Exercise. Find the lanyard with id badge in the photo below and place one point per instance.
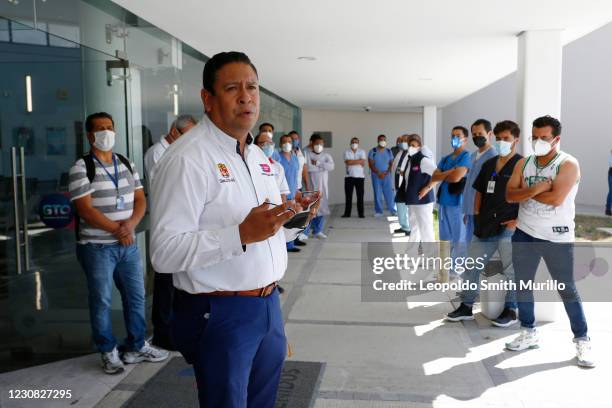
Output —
(491, 183)
(120, 200)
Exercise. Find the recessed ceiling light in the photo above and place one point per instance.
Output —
(307, 58)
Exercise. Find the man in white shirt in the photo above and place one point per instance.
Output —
(163, 289)
(355, 160)
(216, 226)
(179, 127)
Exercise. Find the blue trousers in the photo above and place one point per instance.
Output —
(103, 264)
(485, 248)
(559, 259)
(452, 228)
(469, 228)
(317, 224)
(609, 200)
(402, 216)
(384, 188)
(236, 345)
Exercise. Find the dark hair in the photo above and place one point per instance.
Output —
(378, 137)
(354, 138)
(507, 125)
(415, 138)
(462, 129)
(266, 124)
(483, 122)
(256, 140)
(217, 62)
(94, 116)
(293, 132)
(547, 120)
(283, 136)
(316, 137)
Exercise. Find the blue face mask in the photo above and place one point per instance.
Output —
(268, 150)
(503, 148)
(455, 142)
(296, 144)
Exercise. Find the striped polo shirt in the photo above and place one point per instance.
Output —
(103, 196)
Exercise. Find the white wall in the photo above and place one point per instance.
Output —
(586, 107)
(364, 125)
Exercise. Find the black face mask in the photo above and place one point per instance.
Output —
(479, 141)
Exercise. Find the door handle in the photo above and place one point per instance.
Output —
(26, 239)
(16, 209)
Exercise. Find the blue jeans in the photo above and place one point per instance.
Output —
(236, 345)
(469, 228)
(609, 200)
(402, 216)
(559, 259)
(317, 224)
(103, 264)
(486, 247)
(384, 188)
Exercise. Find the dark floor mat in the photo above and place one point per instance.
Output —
(174, 386)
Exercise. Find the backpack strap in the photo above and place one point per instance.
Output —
(90, 166)
(125, 162)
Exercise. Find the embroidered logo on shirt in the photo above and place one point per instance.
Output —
(223, 170)
(265, 168)
(561, 230)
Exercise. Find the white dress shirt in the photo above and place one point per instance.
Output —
(153, 154)
(355, 170)
(202, 191)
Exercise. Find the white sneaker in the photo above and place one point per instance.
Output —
(302, 236)
(321, 235)
(377, 215)
(528, 339)
(146, 353)
(111, 363)
(584, 354)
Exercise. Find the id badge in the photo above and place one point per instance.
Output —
(491, 186)
(120, 203)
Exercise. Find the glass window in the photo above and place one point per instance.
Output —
(64, 35)
(24, 33)
(4, 30)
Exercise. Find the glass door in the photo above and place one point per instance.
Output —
(49, 85)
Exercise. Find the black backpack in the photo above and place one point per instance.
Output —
(90, 168)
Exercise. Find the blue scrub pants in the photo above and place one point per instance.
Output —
(402, 216)
(384, 188)
(317, 224)
(236, 345)
(469, 228)
(452, 229)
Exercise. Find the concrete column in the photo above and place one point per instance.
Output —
(539, 80)
(430, 125)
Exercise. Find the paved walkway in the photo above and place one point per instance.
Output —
(380, 354)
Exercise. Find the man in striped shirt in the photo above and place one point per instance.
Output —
(106, 190)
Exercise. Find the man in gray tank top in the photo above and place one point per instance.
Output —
(545, 185)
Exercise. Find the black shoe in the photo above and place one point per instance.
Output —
(298, 242)
(506, 319)
(463, 312)
(402, 231)
(346, 216)
(281, 290)
(362, 216)
(608, 212)
(293, 249)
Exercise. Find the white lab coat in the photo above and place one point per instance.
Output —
(319, 176)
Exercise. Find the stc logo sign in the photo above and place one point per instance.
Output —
(56, 211)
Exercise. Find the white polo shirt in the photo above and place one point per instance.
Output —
(202, 191)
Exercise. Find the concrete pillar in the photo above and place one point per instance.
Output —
(430, 125)
(539, 80)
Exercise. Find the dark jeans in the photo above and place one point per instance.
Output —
(163, 295)
(609, 200)
(103, 264)
(559, 259)
(236, 345)
(357, 183)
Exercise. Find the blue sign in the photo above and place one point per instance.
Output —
(56, 211)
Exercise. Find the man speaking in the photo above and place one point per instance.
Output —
(217, 222)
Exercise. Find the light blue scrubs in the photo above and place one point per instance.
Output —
(384, 187)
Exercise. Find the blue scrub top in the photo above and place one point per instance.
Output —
(381, 159)
(447, 163)
(470, 192)
(292, 168)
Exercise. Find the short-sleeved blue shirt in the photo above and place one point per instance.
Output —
(381, 159)
(292, 168)
(469, 192)
(447, 163)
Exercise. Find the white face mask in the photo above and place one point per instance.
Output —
(318, 148)
(287, 147)
(354, 146)
(541, 147)
(404, 146)
(413, 150)
(382, 143)
(104, 140)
